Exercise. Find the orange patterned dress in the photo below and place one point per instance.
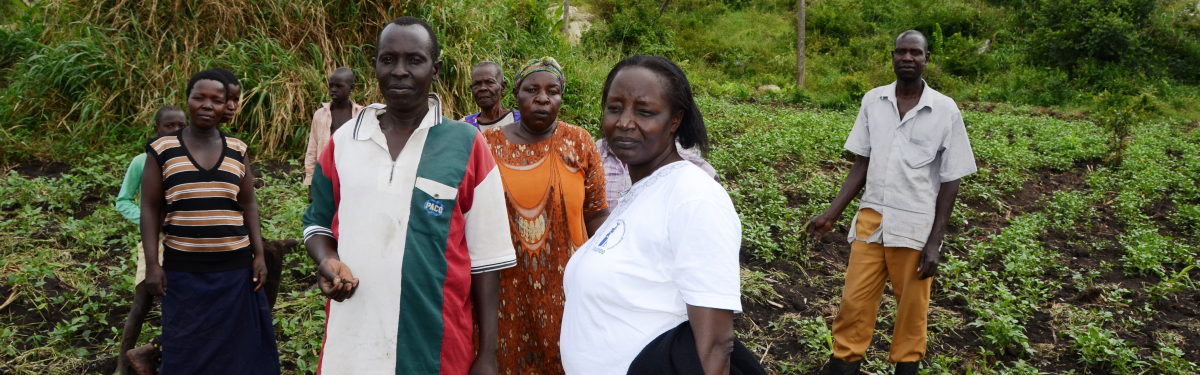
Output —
(548, 187)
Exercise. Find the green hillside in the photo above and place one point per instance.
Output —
(1073, 250)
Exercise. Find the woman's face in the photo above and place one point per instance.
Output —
(638, 122)
(231, 105)
(539, 97)
(206, 104)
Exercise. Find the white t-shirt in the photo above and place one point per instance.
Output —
(673, 241)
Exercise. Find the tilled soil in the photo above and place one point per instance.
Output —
(1176, 313)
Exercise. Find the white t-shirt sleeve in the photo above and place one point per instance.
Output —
(958, 160)
(859, 140)
(705, 239)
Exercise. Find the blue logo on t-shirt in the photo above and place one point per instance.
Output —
(612, 237)
(433, 207)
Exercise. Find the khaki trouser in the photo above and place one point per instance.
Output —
(871, 265)
(141, 261)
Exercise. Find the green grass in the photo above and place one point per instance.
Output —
(71, 261)
(80, 84)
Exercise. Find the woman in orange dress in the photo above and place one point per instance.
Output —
(554, 187)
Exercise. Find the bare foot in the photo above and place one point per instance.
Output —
(144, 359)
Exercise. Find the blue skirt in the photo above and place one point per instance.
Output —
(215, 323)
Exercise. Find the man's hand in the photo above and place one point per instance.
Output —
(156, 280)
(258, 271)
(820, 225)
(335, 280)
(930, 257)
(485, 364)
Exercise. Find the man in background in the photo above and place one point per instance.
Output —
(912, 150)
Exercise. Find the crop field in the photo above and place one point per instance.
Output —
(1058, 260)
(1072, 251)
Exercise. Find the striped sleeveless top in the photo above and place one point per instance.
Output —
(203, 226)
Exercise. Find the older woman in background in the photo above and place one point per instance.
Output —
(487, 88)
(554, 185)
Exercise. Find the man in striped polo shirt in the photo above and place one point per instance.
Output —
(408, 220)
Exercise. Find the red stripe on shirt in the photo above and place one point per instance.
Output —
(457, 353)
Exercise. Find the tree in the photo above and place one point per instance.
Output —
(800, 44)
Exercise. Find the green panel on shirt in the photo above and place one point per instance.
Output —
(444, 159)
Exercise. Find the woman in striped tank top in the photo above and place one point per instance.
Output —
(198, 188)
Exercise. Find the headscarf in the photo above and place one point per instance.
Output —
(544, 64)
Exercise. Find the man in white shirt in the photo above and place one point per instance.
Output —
(912, 150)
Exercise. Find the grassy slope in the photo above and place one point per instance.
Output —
(1060, 259)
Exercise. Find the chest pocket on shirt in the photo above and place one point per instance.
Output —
(433, 207)
(436, 189)
(918, 153)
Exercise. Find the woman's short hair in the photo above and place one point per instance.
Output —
(209, 74)
(691, 132)
(229, 76)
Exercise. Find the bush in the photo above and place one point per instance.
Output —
(1115, 39)
(1106, 30)
(634, 28)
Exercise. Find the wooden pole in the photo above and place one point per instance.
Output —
(566, 15)
(663, 7)
(800, 43)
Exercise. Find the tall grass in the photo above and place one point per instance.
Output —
(85, 75)
(95, 79)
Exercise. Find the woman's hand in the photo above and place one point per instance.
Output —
(259, 272)
(485, 365)
(156, 280)
(335, 279)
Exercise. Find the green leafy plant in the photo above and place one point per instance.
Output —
(1101, 349)
(1004, 333)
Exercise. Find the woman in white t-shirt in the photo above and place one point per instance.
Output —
(669, 253)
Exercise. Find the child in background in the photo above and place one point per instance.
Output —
(329, 118)
(167, 120)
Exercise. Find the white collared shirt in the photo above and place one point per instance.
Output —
(910, 158)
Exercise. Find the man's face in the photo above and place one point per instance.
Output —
(487, 86)
(340, 86)
(404, 67)
(909, 58)
(169, 122)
